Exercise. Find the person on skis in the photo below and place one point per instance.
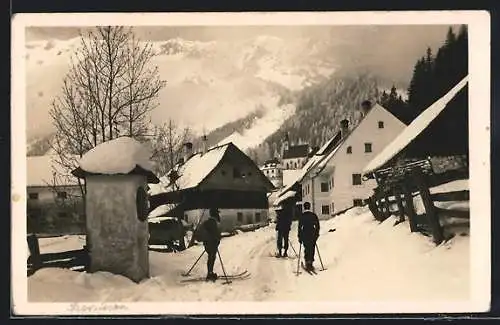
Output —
(308, 234)
(283, 225)
(210, 235)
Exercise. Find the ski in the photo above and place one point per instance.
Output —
(221, 277)
(311, 272)
(282, 257)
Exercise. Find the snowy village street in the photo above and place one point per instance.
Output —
(365, 261)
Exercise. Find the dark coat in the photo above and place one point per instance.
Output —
(284, 219)
(308, 226)
(212, 231)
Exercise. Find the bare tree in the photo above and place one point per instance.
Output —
(109, 89)
(167, 144)
(108, 92)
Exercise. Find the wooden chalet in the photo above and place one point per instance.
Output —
(223, 177)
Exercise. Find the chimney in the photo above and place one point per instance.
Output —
(188, 150)
(366, 106)
(344, 128)
(204, 145)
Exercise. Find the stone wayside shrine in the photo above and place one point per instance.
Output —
(116, 175)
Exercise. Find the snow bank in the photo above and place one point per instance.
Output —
(118, 156)
(365, 261)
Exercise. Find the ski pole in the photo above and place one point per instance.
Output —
(223, 269)
(192, 267)
(322, 267)
(298, 260)
(293, 248)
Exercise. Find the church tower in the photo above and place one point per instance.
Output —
(286, 145)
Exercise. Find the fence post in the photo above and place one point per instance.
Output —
(387, 206)
(430, 210)
(409, 207)
(34, 248)
(401, 212)
(373, 206)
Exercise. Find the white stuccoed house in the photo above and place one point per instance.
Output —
(335, 183)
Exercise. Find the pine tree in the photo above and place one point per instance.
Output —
(434, 76)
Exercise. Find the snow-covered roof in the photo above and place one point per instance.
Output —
(311, 163)
(196, 169)
(40, 172)
(290, 176)
(118, 156)
(322, 163)
(414, 129)
(161, 211)
(160, 219)
(287, 195)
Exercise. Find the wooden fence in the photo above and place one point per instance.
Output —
(397, 187)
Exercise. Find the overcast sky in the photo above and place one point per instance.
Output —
(391, 49)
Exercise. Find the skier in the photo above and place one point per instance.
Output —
(210, 234)
(283, 225)
(308, 234)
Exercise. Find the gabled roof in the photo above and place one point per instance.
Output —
(326, 158)
(330, 145)
(297, 151)
(199, 166)
(41, 169)
(414, 129)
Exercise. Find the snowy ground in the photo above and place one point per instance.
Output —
(365, 261)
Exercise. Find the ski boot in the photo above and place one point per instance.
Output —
(278, 254)
(211, 277)
(285, 254)
(309, 266)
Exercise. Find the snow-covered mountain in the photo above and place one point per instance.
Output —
(209, 83)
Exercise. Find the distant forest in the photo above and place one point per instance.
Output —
(321, 107)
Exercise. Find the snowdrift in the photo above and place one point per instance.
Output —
(364, 260)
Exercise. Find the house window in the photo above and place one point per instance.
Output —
(333, 207)
(349, 150)
(356, 179)
(236, 173)
(368, 147)
(33, 196)
(295, 165)
(257, 216)
(239, 216)
(325, 209)
(62, 195)
(380, 124)
(287, 166)
(324, 187)
(357, 202)
(249, 218)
